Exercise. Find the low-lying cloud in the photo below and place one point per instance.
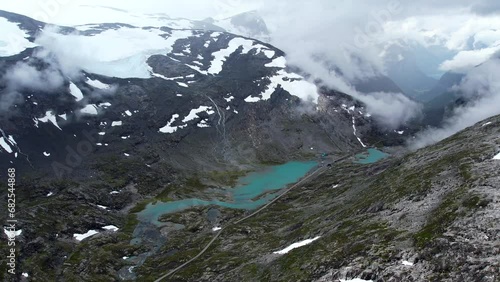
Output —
(52, 64)
(340, 44)
(40, 73)
(482, 87)
(25, 76)
(466, 60)
(391, 109)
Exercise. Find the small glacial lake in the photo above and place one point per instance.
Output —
(371, 156)
(246, 195)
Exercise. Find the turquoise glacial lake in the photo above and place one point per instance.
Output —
(371, 156)
(246, 195)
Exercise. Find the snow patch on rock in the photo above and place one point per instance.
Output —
(49, 117)
(296, 245)
(80, 237)
(75, 91)
(97, 84)
(90, 109)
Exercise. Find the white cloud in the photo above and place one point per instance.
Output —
(466, 60)
(24, 76)
(486, 37)
(481, 83)
(100, 53)
(390, 109)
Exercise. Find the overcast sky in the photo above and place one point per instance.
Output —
(321, 26)
(350, 34)
(68, 11)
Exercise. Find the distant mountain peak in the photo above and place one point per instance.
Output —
(248, 24)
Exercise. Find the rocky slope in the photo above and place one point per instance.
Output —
(431, 215)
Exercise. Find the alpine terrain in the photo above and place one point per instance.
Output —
(195, 150)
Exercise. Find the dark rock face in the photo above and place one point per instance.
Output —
(378, 84)
(443, 88)
(153, 102)
(441, 98)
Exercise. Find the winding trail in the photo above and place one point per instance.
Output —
(315, 172)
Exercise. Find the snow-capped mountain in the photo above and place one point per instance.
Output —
(249, 24)
(133, 87)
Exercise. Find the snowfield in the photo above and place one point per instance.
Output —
(233, 45)
(101, 56)
(80, 237)
(97, 84)
(296, 245)
(169, 128)
(49, 117)
(293, 83)
(193, 114)
(12, 39)
(96, 14)
(279, 62)
(5, 145)
(111, 228)
(75, 91)
(407, 263)
(89, 110)
(221, 55)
